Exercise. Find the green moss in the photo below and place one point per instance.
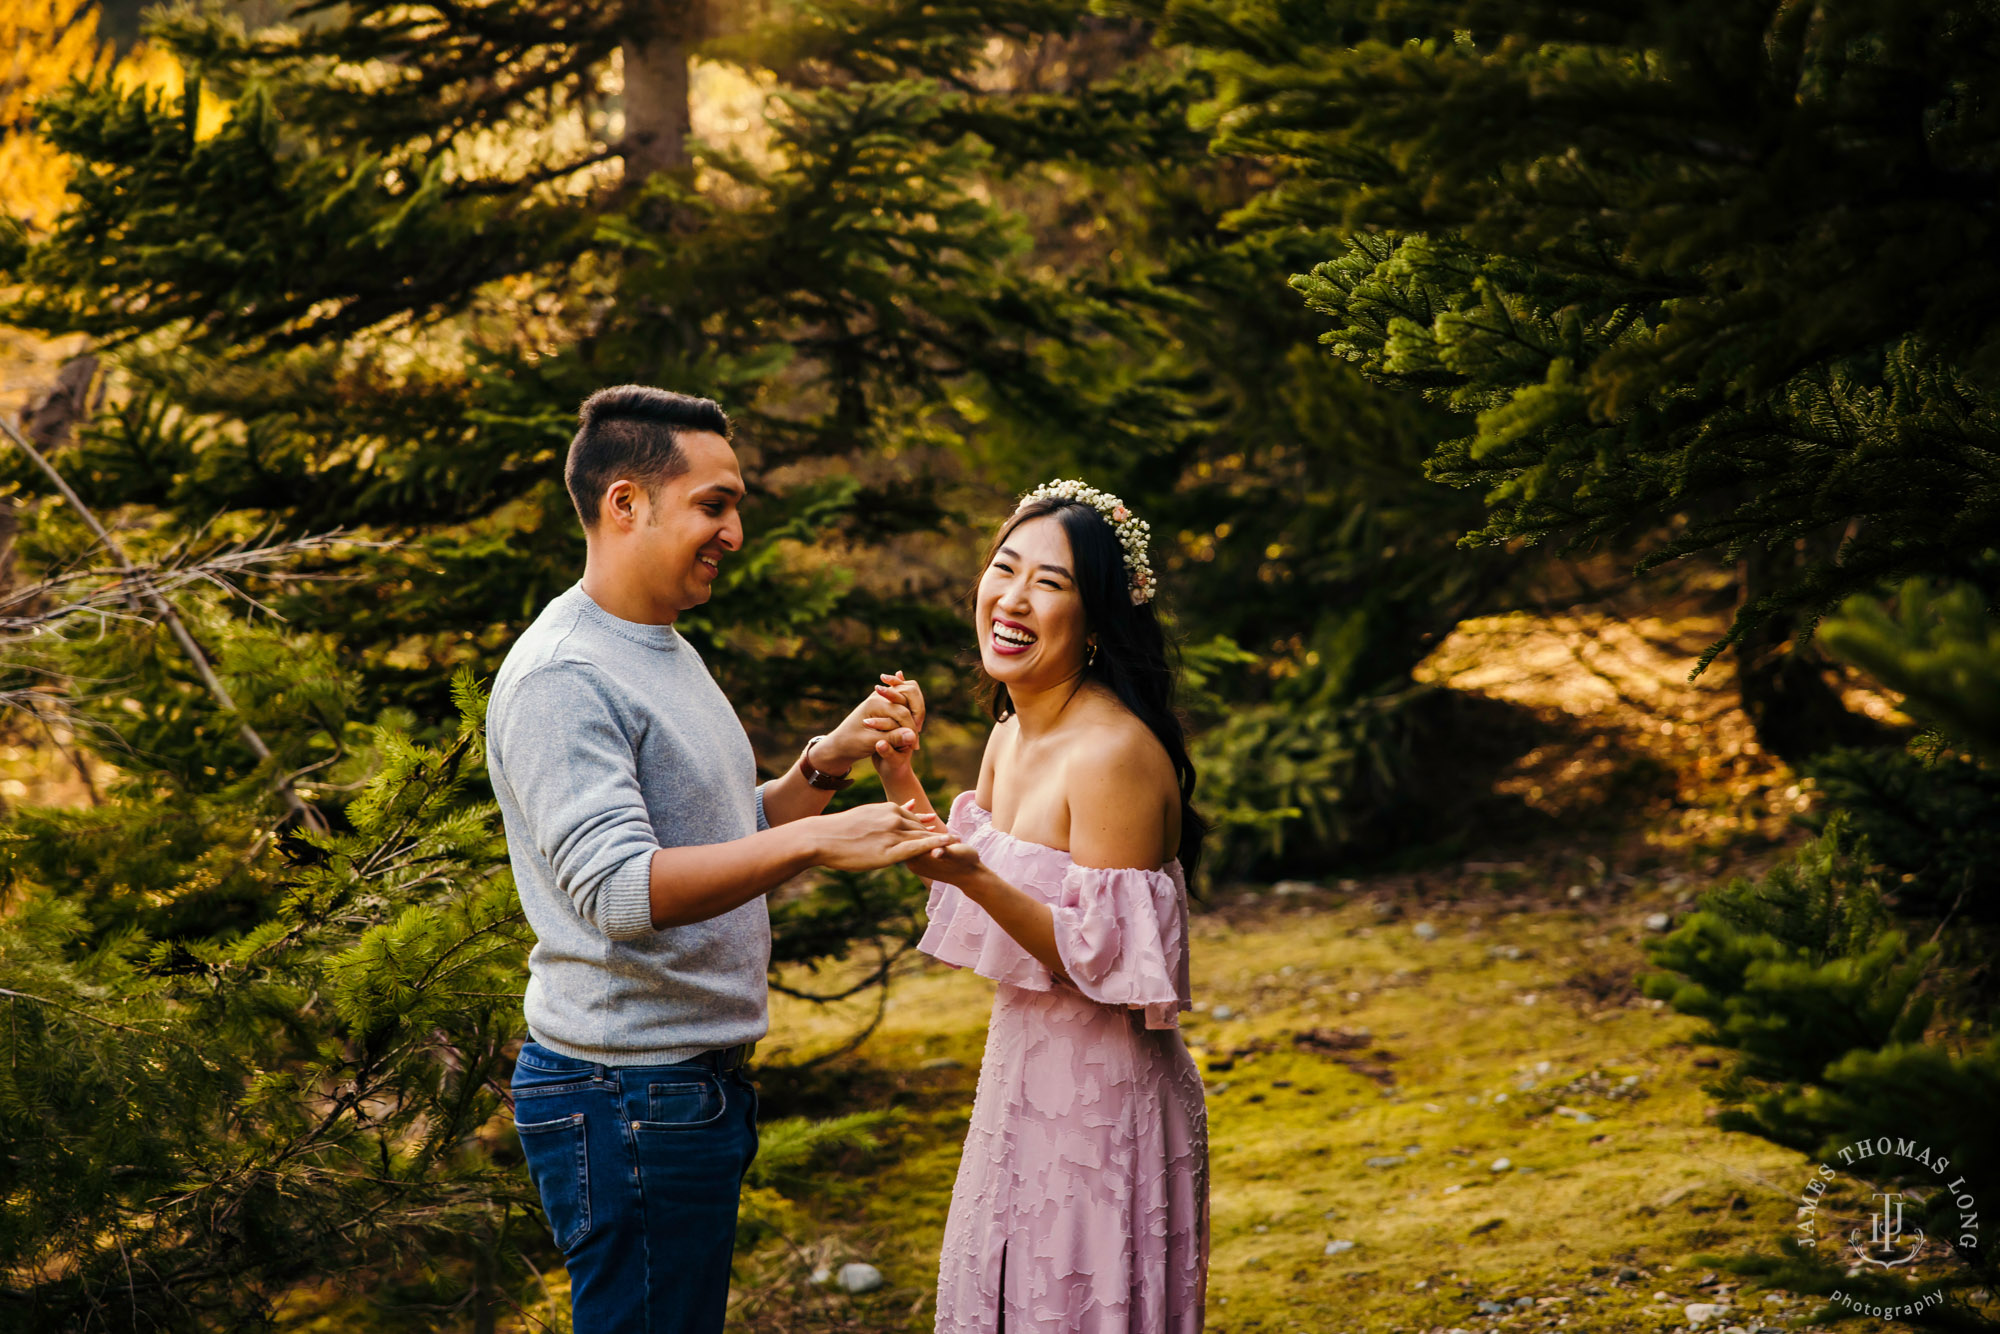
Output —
(1624, 1175)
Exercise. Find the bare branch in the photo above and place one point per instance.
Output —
(139, 586)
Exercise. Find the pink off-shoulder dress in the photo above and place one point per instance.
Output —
(1082, 1196)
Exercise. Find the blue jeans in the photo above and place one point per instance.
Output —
(639, 1169)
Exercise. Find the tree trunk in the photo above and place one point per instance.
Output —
(1786, 689)
(656, 85)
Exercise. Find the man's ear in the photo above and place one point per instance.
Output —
(620, 506)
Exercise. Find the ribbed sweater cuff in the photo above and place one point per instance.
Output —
(763, 820)
(625, 903)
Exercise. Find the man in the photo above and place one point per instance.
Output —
(642, 847)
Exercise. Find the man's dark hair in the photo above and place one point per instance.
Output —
(633, 430)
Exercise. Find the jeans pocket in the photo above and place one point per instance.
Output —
(560, 1168)
(685, 1103)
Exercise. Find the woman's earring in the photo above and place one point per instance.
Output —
(1091, 661)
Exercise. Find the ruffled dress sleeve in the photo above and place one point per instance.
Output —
(960, 933)
(1120, 932)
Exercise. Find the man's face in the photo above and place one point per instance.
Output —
(683, 531)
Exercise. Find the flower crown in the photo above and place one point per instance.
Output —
(1132, 533)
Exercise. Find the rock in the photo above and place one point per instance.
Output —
(1700, 1313)
(1492, 1308)
(857, 1278)
(1425, 931)
(1502, 1164)
(1286, 889)
(1521, 1303)
(1630, 1275)
(820, 1276)
(1223, 1012)
(1387, 1160)
(1658, 921)
(942, 1063)
(1734, 1329)
(1576, 891)
(1339, 1247)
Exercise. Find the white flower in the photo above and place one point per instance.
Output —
(1132, 532)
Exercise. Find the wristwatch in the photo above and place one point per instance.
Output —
(819, 778)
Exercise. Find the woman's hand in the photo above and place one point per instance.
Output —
(955, 864)
(905, 698)
(885, 714)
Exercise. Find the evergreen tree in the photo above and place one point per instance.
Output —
(1844, 1026)
(1704, 278)
(1709, 278)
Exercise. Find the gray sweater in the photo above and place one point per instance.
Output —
(607, 740)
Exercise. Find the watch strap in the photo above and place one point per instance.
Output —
(819, 778)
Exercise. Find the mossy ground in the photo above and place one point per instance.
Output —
(1499, 1026)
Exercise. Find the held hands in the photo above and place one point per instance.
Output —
(895, 749)
(866, 838)
(955, 864)
(892, 717)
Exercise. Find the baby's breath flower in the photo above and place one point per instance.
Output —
(1132, 532)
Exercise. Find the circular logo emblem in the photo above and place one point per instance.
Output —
(1875, 1227)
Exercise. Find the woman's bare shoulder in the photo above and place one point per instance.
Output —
(1110, 738)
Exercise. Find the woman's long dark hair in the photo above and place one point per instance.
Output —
(1132, 655)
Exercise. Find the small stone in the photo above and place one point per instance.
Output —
(1286, 889)
(1425, 931)
(1523, 1302)
(1630, 1274)
(821, 1275)
(1658, 921)
(1386, 1160)
(1576, 891)
(1492, 1307)
(942, 1063)
(1734, 1329)
(857, 1278)
(1502, 1164)
(1338, 1247)
(1224, 1012)
(1700, 1313)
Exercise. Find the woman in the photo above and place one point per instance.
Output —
(1082, 1196)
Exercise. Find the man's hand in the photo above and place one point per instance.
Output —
(866, 838)
(893, 712)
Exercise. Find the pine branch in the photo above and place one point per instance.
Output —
(148, 591)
